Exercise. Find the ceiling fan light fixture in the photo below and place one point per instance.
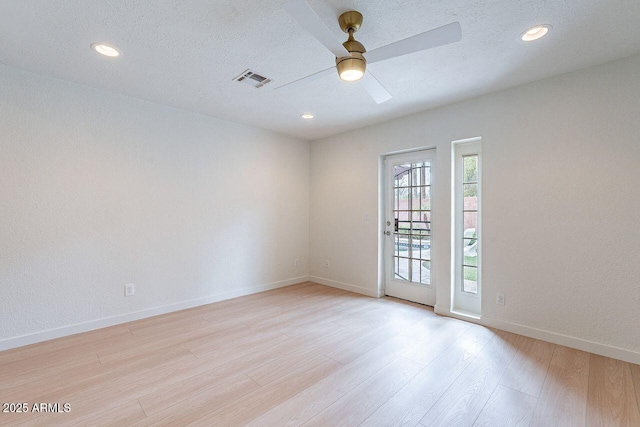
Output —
(535, 33)
(351, 69)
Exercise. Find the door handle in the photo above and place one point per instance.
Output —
(388, 233)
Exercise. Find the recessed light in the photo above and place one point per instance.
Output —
(534, 33)
(106, 50)
(306, 116)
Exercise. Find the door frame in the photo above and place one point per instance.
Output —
(385, 213)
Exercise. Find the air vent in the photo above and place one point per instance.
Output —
(252, 79)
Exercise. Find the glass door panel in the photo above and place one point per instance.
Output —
(409, 224)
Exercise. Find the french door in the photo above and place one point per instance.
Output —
(408, 226)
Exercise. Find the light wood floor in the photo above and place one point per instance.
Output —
(313, 355)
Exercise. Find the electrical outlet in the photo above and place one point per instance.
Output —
(129, 290)
(500, 298)
(326, 264)
(296, 262)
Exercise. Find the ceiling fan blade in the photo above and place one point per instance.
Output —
(302, 12)
(375, 89)
(307, 79)
(450, 33)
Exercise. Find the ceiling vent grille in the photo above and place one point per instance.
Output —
(252, 79)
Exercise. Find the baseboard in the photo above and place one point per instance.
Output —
(553, 337)
(50, 334)
(345, 286)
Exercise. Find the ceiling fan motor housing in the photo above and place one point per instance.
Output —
(350, 22)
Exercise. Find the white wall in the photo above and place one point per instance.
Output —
(561, 200)
(98, 190)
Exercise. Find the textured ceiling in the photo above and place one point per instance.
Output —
(185, 53)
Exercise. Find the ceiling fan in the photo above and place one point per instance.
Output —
(351, 56)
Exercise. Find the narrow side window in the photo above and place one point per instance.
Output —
(467, 230)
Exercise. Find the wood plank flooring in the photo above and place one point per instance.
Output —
(315, 356)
